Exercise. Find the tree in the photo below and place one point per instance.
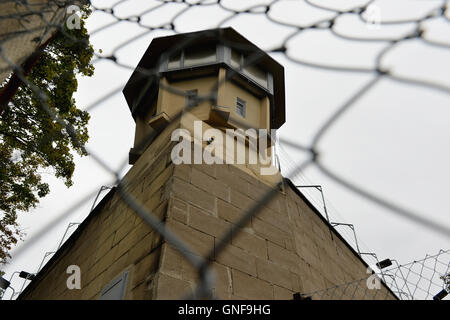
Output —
(30, 140)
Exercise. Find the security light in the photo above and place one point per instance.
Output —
(441, 295)
(384, 264)
(299, 296)
(26, 275)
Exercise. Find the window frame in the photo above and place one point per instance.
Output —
(243, 104)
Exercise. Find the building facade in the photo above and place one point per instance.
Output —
(214, 79)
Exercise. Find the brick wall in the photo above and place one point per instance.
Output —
(286, 248)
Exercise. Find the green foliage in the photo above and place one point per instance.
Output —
(31, 141)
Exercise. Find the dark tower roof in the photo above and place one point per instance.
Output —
(145, 77)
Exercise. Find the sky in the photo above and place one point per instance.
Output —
(393, 142)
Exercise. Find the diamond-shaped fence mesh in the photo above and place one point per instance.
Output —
(27, 24)
(417, 280)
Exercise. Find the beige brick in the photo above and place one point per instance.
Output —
(178, 210)
(183, 171)
(200, 242)
(152, 172)
(240, 200)
(180, 204)
(152, 201)
(141, 292)
(179, 215)
(269, 232)
(292, 209)
(243, 172)
(161, 211)
(141, 248)
(160, 180)
(237, 258)
(253, 244)
(88, 276)
(92, 290)
(282, 293)
(124, 230)
(105, 261)
(206, 223)
(157, 240)
(273, 273)
(275, 219)
(127, 243)
(209, 184)
(145, 267)
(188, 271)
(260, 191)
(118, 218)
(249, 287)
(307, 249)
(142, 229)
(283, 257)
(231, 179)
(289, 244)
(194, 195)
(283, 205)
(309, 286)
(171, 261)
(317, 279)
(104, 233)
(170, 288)
(223, 286)
(208, 169)
(116, 268)
(103, 248)
(229, 212)
(296, 282)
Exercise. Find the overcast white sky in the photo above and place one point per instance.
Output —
(393, 142)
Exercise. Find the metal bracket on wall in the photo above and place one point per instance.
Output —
(319, 188)
(65, 233)
(102, 188)
(351, 226)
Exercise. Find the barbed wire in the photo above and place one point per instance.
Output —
(402, 279)
(313, 157)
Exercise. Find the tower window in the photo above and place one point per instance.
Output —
(240, 107)
(191, 98)
(193, 57)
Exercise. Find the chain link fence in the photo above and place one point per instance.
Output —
(418, 280)
(406, 280)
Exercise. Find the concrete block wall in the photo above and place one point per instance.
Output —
(286, 248)
(114, 239)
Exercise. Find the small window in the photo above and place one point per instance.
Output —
(115, 290)
(240, 107)
(191, 98)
